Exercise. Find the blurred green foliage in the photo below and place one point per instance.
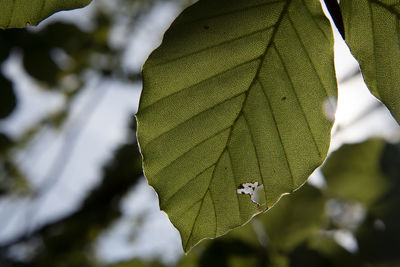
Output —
(348, 176)
(8, 100)
(58, 57)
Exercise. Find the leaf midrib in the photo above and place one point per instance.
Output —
(262, 60)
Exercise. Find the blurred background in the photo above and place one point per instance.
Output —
(71, 186)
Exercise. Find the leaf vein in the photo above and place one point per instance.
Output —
(279, 133)
(308, 56)
(202, 81)
(298, 100)
(211, 47)
(189, 150)
(255, 151)
(215, 213)
(186, 183)
(268, 45)
(194, 116)
(313, 19)
(202, 201)
(194, 222)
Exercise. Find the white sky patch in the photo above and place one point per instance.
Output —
(329, 107)
(250, 189)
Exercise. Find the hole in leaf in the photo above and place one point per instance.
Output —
(250, 189)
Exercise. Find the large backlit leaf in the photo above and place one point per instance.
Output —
(373, 35)
(235, 94)
(18, 13)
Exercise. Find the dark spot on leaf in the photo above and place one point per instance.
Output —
(283, 98)
(206, 27)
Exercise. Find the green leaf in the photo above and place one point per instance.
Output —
(39, 64)
(322, 250)
(295, 219)
(19, 13)
(235, 94)
(373, 35)
(354, 173)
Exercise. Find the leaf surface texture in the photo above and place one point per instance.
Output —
(235, 94)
